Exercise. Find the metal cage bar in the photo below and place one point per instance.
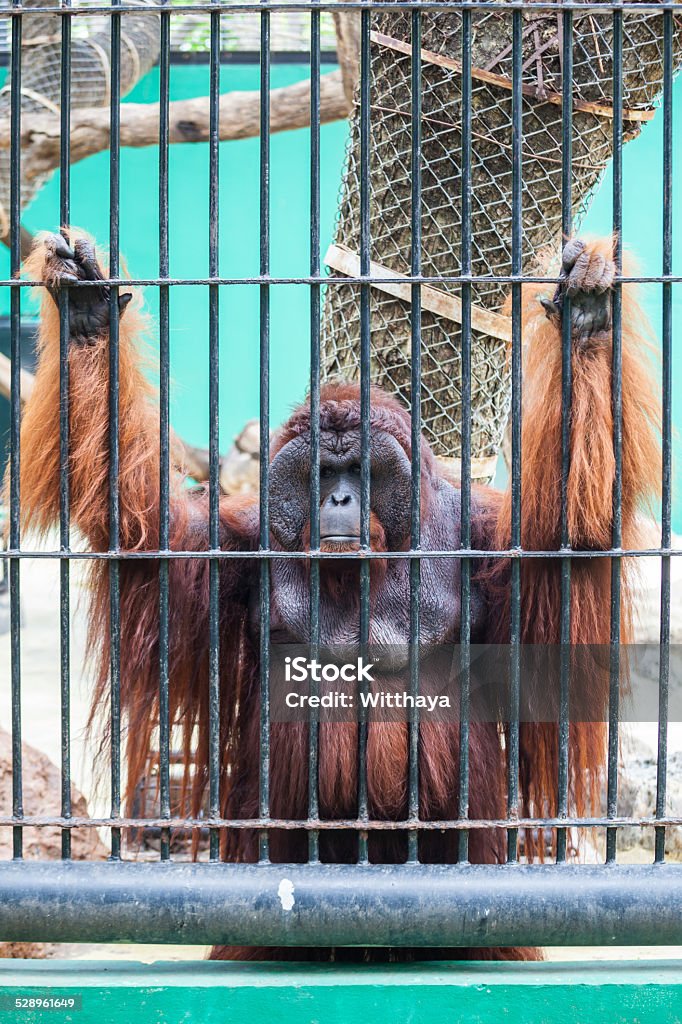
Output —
(64, 511)
(566, 391)
(403, 905)
(666, 431)
(114, 425)
(365, 21)
(465, 532)
(415, 427)
(260, 6)
(516, 358)
(15, 453)
(315, 309)
(411, 903)
(164, 436)
(214, 441)
(617, 403)
(264, 843)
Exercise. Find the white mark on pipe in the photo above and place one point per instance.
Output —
(286, 893)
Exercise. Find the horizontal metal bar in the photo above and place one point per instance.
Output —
(226, 7)
(184, 58)
(353, 556)
(332, 824)
(339, 905)
(147, 282)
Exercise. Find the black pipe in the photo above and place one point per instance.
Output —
(397, 905)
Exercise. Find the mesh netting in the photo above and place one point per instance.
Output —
(90, 73)
(491, 170)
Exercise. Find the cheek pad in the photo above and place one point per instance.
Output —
(391, 490)
(390, 497)
(289, 493)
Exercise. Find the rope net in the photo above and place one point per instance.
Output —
(41, 53)
(491, 176)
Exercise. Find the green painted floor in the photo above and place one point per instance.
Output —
(628, 992)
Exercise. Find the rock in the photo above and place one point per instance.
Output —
(240, 466)
(637, 798)
(41, 785)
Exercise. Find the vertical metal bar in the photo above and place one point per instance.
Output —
(214, 439)
(264, 844)
(415, 425)
(64, 512)
(566, 395)
(515, 625)
(666, 431)
(313, 735)
(617, 405)
(114, 513)
(164, 434)
(15, 422)
(365, 66)
(465, 476)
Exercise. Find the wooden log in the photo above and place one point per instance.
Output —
(189, 122)
(6, 378)
(347, 28)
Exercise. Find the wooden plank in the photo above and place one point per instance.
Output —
(342, 260)
(481, 468)
(649, 992)
(502, 82)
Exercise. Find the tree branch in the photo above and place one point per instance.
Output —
(26, 243)
(347, 27)
(189, 122)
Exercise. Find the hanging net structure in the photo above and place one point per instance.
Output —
(41, 50)
(491, 178)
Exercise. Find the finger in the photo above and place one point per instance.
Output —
(54, 285)
(62, 249)
(572, 250)
(578, 323)
(594, 272)
(62, 278)
(56, 246)
(603, 321)
(574, 285)
(606, 279)
(123, 302)
(87, 258)
(551, 308)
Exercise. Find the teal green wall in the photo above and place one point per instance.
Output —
(239, 237)
(239, 248)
